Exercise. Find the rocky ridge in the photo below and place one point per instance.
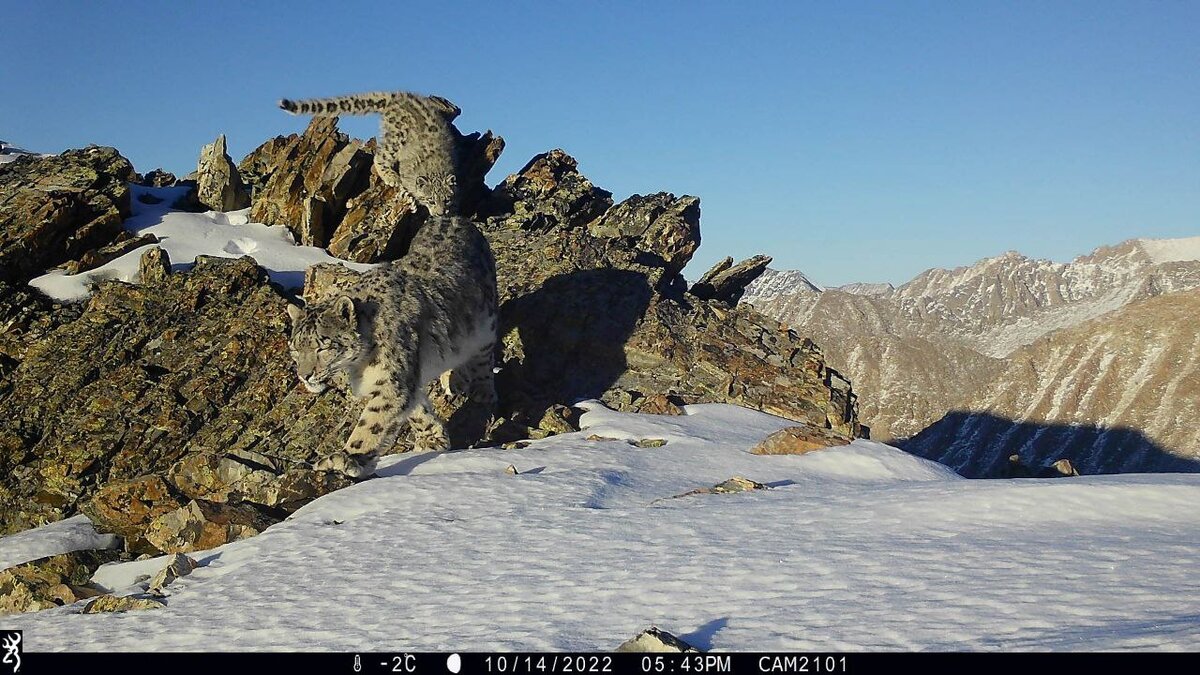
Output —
(167, 410)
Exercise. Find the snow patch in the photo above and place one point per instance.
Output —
(1172, 250)
(73, 534)
(184, 236)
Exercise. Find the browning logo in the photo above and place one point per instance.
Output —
(10, 643)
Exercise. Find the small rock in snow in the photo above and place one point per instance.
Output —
(654, 639)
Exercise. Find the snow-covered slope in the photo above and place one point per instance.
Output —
(859, 547)
(185, 235)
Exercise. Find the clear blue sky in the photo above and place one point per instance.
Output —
(855, 141)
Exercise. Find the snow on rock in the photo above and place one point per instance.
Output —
(1171, 250)
(184, 236)
(72, 534)
(854, 548)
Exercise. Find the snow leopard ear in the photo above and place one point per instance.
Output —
(344, 307)
(294, 312)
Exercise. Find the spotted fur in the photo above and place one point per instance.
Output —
(398, 327)
(418, 145)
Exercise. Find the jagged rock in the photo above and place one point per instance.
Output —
(511, 470)
(124, 243)
(55, 208)
(1064, 467)
(50, 582)
(559, 419)
(257, 480)
(661, 404)
(548, 192)
(218, 184)
(727, 282)
(199, 526)
(799, 440)
(322, 185)
(158, 178)
(731, 486)
(110, 604)
(178, 565)
(127, 508)
(603, 313)
(654, 639)
(154, 265)
(152, 373)
(649, 443)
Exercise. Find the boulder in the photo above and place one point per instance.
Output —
(50, 582)
(218, 184)
(727, 282)
(654, 639)
(799, 440)
(154, 265)
(178, 565)
(159, 178)
(115, 604)
(55, 208)
(725, 487)
(122, 244)
(127, 507)
(199, 526)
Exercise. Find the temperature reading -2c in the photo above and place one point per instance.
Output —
(406, 663)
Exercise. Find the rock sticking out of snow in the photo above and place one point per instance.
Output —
(654, 639)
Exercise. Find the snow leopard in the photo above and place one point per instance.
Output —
(397, 327)
(418, 144)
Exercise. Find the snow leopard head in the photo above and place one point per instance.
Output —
(325, 340)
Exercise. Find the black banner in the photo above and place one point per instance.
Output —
(496, 663)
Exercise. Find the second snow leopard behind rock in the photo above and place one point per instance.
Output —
(398, 327)
(418, 145)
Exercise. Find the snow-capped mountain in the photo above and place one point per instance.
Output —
(922, 350)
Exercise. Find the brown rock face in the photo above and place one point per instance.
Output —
(727, 282)
(799, 440)
(149, 375)
(50, 582)
(54, 209)
(199, 526)
(321, 184)
(218, 184)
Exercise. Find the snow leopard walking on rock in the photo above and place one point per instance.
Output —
(398, 327)
(418, 145)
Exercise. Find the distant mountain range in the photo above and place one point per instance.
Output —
(1087, 344)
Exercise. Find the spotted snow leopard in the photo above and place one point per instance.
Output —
(398, 327)
(418, 144)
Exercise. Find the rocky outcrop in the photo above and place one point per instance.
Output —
(168, 410)
(218, 184)
(604, 314)
(799, 440)
(50, 582)
(55, 208)
(159, 178)
(98, 412)
(322, 185)
(727, 282)
(113, 604)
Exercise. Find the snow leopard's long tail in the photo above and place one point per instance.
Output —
(367, 104)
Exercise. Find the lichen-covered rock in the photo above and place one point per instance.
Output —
(199, 526)
(112, 604)
(124, 243)
(154, 265)
(55, 208)
(50, 582)
(727, 282)
(152, 373)
(127, 507)
(159, 178)
(322, 185)
(799, 440)
(218, 184)
(178, 565)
